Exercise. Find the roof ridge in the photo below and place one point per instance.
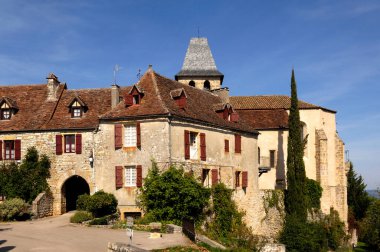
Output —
(23, 85)
(153, 76)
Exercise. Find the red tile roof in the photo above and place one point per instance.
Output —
(265, 119)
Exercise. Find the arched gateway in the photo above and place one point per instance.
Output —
(71, 189)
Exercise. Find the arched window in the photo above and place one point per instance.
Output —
(192, 83)
(206, 85)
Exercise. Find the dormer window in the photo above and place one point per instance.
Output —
(180, 97)
(8, 107)
(77, 107)
(134, 96)
(226, 112)
(5, 114)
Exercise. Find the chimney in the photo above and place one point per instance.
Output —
(52, 84)
(115, 95)
(223, 93)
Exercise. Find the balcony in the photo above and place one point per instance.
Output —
(264, 165)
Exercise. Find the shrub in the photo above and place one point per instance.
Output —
(99, 221)
(81, 216)
(370, 226)
(99, 204)
(14, 209)
(314, 194)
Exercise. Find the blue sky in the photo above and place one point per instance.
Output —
(334, 47)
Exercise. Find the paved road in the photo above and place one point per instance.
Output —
(56, 234)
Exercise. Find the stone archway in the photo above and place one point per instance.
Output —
(71, 189)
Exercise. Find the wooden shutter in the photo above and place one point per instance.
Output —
(244, 183)
(78, 143)
(128, 100)
(138, 135)
(234, 117)
(17, 149)
(1, 150)
(58, 144)
(118, 136)
(225, 114)
(119, 177)
(203, 146)
(139, 176)
(226, 145)
(237, 143)
(187, 144)
(214, 176)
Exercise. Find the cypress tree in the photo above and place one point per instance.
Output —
(295, 200)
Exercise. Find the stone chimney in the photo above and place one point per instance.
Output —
(52, 84)
(115, 95)
(223, 93)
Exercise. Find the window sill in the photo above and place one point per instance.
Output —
(130, 148)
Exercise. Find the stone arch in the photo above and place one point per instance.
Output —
(206, 85)
(70, 191)
(192, 83)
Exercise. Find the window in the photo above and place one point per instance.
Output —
(206, 177)
(136, 99)
(226, 145)
(69, 143)
(76, 112)
(5, 111)
(237, 179)
(130, 176)
(206, 85)
(192, 83)
(193, 145)
(272, 158)
(9, 150)
(258, 155)
(130, 138)
(237, 143)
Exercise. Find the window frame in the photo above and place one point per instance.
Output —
(71, 144)
(206, 178)
(272, 158)
(194, 145)
(9, 154)
(237, 179)
(3, 111)
(73, 112)
(131, 141)
(131, 173)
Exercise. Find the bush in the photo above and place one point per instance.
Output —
(81, 216)
(370, 226)
(99, 204)
(314, 194)
(99, 221)
(14, 209)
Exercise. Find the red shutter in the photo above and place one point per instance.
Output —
(226, 145)
(139, 176)
(78, 143)
(214, 176)
(1, 150)
(128, 100)
(17, 149)
(181, 101)
(119, 177)
(138, 135)
(234, 117)
(58, 144)
(244, 183)
(225, 114)
(203, 146)
(187, 144)
(237, 143)
(118, 136)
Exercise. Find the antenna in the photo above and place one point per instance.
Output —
(116, 69)
(139, 74)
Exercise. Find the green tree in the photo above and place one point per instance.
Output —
(172, 195)
(295, 197)
(358, 199)
(370, 226)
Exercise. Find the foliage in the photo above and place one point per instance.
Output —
(172, 196)
(295, 196)
(227, 225)
(313, 194)
(99, 221)
(357, 197)
(273, 198)
(334, 229)
(14, 209)
(370, 226)
(99, 204)
(26, 180)
(81, 216)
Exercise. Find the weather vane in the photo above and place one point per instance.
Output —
(139, 74)
(116, 69)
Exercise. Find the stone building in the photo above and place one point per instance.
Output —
(105, 139)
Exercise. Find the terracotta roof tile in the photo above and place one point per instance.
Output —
(265, 118)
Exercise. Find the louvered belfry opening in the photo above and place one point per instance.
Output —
(71, 189)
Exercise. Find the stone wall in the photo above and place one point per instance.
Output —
(341, 175)
(42, 206)
(199, 81)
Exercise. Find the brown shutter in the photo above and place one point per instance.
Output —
(214, 176)
(225, 114)
(128, 100)
(139, 176)
(58, 144)
(187, 144)
(118, 136)
(1, 150)
(244, 183)
(203, 146)
(78, 143)
(17, 149)
(119, 177)
(138, 135)
(234, 117)
(226, 145)
(237, 143)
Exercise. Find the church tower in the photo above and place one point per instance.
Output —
(199, 69)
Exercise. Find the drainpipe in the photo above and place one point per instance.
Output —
(170, 139)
